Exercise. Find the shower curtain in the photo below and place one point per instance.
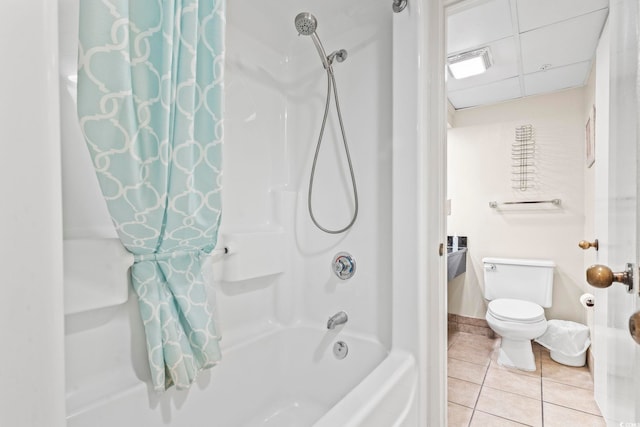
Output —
(150, 87)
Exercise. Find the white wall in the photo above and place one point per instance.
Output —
(479, 171)
(31, 318)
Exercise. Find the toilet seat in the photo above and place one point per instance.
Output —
(514, 310)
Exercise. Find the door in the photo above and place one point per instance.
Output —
(616, 355)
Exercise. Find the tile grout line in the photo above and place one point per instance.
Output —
(475, 405)
(574, 409)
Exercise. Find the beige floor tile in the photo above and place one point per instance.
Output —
(481, 419)
(462, 392)
(510, 406)
(466, 371)
(569, 396)
(513, 382)
(458, 416)
(559, 416)
(470, 353)
(577, 377)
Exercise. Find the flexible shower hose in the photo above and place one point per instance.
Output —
(331, 81)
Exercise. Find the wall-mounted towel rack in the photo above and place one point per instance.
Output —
(522, 157)
(555, 202)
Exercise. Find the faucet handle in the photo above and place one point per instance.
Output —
(344, 265)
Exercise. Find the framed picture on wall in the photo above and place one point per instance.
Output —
(590, 138)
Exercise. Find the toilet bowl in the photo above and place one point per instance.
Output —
(517, 322)
(518, 290)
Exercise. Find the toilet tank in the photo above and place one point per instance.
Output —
(525, 279)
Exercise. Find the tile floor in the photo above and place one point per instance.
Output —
(482, 393)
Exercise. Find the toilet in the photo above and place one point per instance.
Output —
(518, 291)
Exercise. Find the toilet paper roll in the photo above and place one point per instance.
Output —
(587, 300)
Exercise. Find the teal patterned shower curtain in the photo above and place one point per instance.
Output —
(150, 88)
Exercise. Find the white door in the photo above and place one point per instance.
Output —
(617, 356)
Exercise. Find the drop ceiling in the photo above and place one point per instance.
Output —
(537, 46)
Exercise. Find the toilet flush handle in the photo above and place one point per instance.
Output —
(490, 267)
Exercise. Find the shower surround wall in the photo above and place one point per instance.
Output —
(32, 356)
(275, 290)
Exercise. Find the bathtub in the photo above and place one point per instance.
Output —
(287, 378)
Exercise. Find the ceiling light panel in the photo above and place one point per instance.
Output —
(468, 64)
(505, 65)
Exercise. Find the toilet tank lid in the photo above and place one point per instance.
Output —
(516, 261)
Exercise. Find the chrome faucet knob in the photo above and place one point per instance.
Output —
(341, 265)
(344, 265)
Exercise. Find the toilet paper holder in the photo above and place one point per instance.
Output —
(587, 300)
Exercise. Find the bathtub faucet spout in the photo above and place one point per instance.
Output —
(337, 319)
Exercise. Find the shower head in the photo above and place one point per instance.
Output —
(306, 23)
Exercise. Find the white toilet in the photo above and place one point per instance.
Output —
(517, 289)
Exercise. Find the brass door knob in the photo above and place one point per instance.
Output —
(634, 326)
(586, 245)
(601, 276)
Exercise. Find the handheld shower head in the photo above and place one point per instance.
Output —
(306, 23)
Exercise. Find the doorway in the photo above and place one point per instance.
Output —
(527, 83)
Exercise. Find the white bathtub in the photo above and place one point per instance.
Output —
(288, 378)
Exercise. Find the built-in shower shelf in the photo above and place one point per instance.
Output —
(251, 254)
(95, 274)
(96, 271)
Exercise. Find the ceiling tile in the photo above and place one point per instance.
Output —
(487, 94)
(562, 43)
(538, 13)
(505, 65)
(573, 75)
(487, 22)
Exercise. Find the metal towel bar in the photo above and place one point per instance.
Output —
(555, 202)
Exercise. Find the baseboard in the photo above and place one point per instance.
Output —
(470, 325)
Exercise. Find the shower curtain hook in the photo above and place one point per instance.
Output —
(399, 5)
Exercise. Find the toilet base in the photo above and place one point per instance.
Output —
(516, 354)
